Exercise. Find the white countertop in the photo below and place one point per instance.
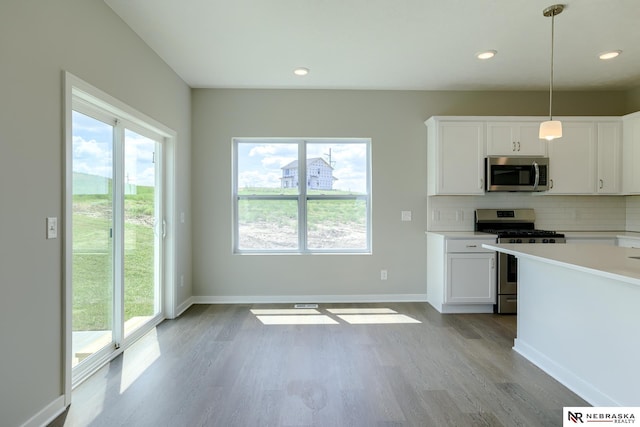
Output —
(464, 234)
(569, 234)
(600, 234)
(612, 262)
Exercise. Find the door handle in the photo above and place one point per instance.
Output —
(518, 145)
(513, 146)
(481, 183)
(550, 183)
(601, 184)
(537, 179)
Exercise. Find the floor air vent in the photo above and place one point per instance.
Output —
(306, 306)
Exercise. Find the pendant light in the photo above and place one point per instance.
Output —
(551, 129)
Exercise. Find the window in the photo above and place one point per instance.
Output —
(276, 211)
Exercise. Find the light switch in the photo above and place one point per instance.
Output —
(52, 227)
(406, 215)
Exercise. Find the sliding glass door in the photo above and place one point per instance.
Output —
(143, 231)
(117, 233)
(93, 250)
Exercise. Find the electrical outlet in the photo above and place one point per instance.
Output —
(405, 215)
(383, 274)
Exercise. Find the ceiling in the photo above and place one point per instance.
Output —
(390, 44)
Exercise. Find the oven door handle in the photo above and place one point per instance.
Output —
(537, 179)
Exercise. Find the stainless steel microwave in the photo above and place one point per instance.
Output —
(517, 173)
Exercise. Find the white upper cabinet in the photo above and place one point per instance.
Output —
(514, 139)
(631, 154)
(572, 159)
(596, 155)
(455, 157)
(609, 157)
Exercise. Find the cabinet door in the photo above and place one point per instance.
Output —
(514, 139)
(572, 161)
(631, 154)
(471, 278)
(530, 142)
(460, 148)
(501, 139)
(609, 142)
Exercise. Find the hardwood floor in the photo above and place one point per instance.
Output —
(219, 365)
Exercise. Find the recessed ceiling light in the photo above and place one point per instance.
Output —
(301, 71)
(487, 54)
(610, 55)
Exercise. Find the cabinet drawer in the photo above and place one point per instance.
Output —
(467, 245)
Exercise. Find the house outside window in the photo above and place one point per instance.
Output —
(277, 212)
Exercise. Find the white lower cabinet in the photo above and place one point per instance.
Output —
(461, 274)
(470, 278)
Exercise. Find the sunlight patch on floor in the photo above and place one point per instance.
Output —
(306, 319)
(361, 310)
(373, 319)
(271, 311)
(138, 358)
(310, 316)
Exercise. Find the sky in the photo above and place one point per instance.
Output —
(93, 151)
(259, 164)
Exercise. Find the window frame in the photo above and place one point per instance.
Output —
(302, 197)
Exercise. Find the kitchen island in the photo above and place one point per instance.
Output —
(579, 317)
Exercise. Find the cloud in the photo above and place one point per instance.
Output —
(259, 179)
(260, 164)
(96, 158)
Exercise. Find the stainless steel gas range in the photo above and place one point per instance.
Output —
(511, 226)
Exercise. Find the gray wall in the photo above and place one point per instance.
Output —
(633, 100)
(39, 39)
(395, 122)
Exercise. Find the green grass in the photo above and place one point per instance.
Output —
(93, 264)
(92, 260)
(285, 211)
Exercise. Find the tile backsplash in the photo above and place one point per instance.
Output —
(559, 213)
(633, 213)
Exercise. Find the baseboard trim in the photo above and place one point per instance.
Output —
(47, 414)
(184, 306)
(564, 376)
(279, 299)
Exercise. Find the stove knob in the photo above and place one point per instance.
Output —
(545, 240)
(532, 240)
(552, 240)
(518, 240)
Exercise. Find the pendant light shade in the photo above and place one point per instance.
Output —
(551, 129)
